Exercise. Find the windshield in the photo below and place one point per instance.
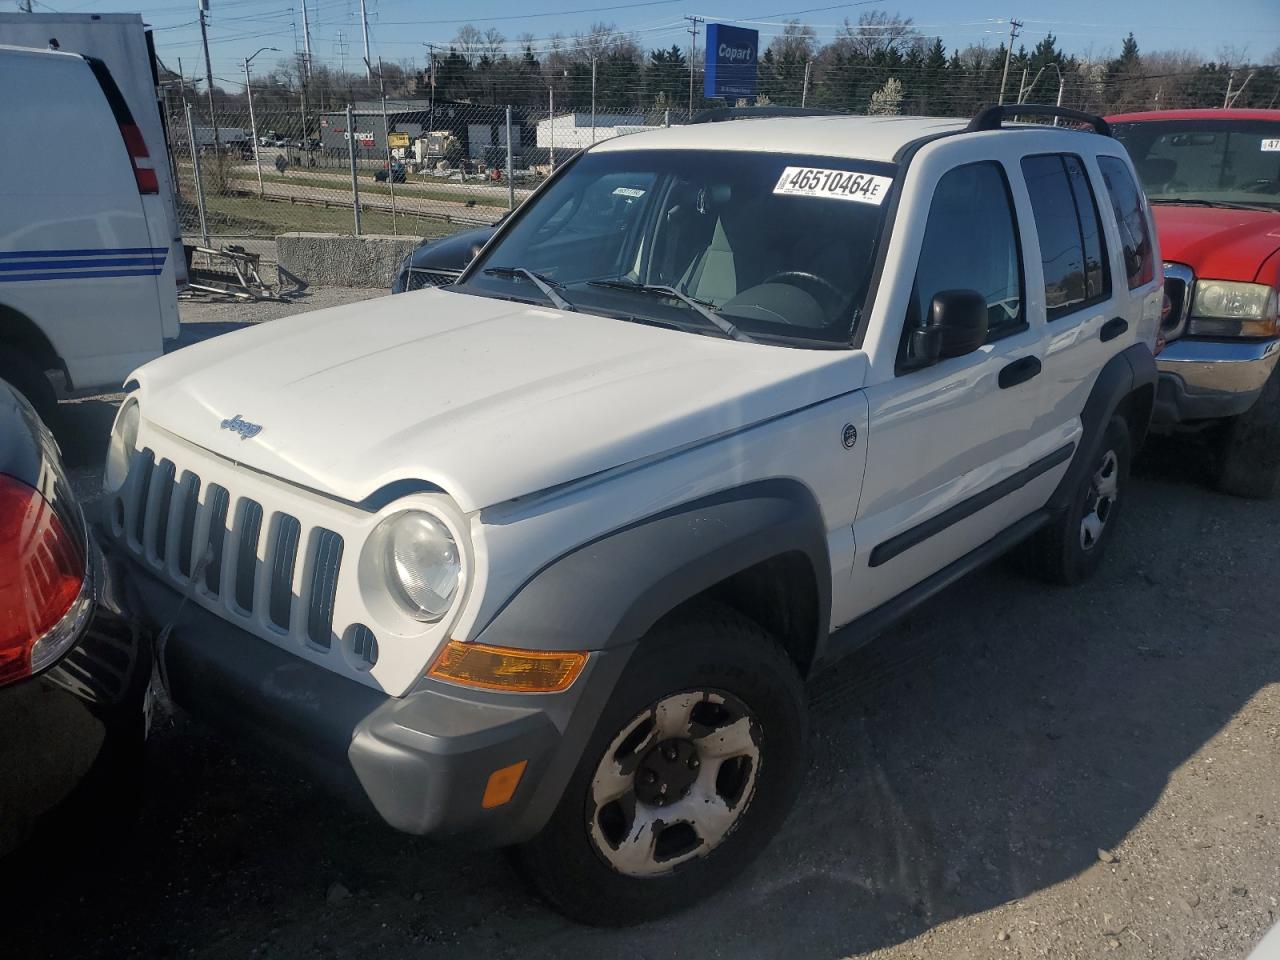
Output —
(775, 247)
(1224, 162)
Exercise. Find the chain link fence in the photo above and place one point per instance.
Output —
(414, 169)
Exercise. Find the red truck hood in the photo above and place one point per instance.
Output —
(1217, 242)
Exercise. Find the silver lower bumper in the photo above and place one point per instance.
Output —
(1211, 379)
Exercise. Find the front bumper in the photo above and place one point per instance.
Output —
(421, 761)
(1211, 379)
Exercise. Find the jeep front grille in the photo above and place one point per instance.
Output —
(246, 557)
(420, 278)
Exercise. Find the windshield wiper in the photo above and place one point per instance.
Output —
(545, 284)
(671, 293)
(1199, 202)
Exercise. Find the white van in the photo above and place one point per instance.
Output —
(87, 280)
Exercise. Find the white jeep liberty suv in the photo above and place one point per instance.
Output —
(542, 559)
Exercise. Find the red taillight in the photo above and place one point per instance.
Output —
(42, 569)
(139, 156)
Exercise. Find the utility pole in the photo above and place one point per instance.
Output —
(693, 50)
(1014, 27)
(364, 27)
(24, 6)
(804, 93)
(593, 99)
(306, 47)
(431, 76)
(386, 134)
(208, 73)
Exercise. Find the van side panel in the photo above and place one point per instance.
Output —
(76, 255)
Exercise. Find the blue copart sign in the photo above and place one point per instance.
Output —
(732, 54)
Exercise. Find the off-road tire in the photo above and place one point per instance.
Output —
(1056, 553)
(24, 374)
(712, 648)
(1249, 451)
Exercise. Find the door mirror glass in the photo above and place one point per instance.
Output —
(956, 325)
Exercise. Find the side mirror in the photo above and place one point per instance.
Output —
(956, 325)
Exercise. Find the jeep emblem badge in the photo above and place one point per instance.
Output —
(242, 427)
(850, 436)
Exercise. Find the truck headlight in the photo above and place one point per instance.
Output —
(1227, 308)
(421, 562)
(124, 438)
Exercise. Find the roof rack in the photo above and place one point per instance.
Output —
(718, 114)
(989, 118)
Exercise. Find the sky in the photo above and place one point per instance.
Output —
(398, 29)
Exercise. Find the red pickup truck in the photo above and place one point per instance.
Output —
(1213, 180)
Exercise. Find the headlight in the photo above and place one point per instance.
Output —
(1226, 308)
(422, 564)
(124, 438)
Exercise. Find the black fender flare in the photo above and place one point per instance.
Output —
(610, 591)
(1124, 374)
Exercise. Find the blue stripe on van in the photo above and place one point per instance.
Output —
(140, 261)
(97, 252)
(79, 274)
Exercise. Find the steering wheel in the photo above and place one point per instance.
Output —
(822, 282)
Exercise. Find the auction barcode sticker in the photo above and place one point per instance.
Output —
(836, 184)
(1270, 145)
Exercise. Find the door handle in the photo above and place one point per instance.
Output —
(1113, 328)
(1020, 371)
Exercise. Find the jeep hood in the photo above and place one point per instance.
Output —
(1217, 242)
(487, 399)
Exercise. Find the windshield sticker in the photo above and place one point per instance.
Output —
(628, 192)
(835, 184)
(1271, 145)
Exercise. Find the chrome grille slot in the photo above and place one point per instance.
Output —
(218, 502)
(246, 552)
(280, 591)
(326, 548)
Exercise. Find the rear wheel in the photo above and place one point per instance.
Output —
(693, 767)
(1250, 452)
(1071, 549)
(24, 374)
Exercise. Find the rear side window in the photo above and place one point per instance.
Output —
(971, 243)
(1131, 219)
(1072, 250)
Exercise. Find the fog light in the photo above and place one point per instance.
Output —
(503, 668)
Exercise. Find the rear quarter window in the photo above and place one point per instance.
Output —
(1130, 208)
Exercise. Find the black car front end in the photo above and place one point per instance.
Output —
(440, 261)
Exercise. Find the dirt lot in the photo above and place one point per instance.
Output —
(1018, 771)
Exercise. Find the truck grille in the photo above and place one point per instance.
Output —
(419, 278)
(1178, 284)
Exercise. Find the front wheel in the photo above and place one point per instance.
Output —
(1071, 548)
(693, 767)
(1249, 464)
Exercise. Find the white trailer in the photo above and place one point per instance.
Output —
(123, 42)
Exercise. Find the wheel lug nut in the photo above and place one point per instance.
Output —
(693, 763)
(650, 777)
(669, 753)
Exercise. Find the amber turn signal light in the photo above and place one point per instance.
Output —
(503, 668)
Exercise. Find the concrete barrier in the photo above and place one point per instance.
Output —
(334, 260)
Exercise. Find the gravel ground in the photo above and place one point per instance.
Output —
(1017, 771)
